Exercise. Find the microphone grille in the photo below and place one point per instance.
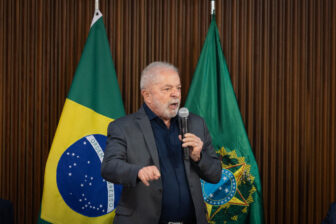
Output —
(183, 112)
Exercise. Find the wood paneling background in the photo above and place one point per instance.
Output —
(281, 55)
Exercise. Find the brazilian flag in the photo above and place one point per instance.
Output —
(237, 198)
(74, 191)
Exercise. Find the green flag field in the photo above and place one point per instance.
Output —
(237, 198)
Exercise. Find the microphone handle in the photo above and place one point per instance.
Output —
(184, 127)
(186, 153)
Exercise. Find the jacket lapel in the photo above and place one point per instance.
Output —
(147, 132)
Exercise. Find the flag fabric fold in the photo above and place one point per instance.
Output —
(237, 198)
(74, 191)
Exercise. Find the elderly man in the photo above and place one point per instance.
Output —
(144, 154)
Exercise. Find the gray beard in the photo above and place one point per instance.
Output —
(166, 112)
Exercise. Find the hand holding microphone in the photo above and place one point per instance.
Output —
(192, 145)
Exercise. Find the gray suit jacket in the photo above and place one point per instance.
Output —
(131, 146)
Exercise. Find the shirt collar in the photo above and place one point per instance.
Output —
(150, 114)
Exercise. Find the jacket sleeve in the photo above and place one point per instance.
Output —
(115, 167)
(209, 167)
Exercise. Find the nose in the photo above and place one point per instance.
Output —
(176, 92)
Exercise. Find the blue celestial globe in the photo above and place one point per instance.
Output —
(222, 192)
(79, 181)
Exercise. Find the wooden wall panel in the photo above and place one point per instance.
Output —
(282, 60)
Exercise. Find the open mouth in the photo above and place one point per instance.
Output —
(173, 105)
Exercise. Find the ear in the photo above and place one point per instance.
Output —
(146, 95)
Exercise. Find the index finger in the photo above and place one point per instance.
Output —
(144, 180)
(189, 134)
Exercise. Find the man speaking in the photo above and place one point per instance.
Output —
(160, 173)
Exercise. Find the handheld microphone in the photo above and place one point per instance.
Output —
(183, 123)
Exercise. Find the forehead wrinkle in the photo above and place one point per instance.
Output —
(157, 77)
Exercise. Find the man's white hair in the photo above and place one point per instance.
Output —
(148, 75)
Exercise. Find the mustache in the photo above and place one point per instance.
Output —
(174, 101)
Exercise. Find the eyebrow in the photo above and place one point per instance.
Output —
(172, 85)
(167, 85)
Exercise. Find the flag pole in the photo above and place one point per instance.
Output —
(212, 12)
(97, 5)
(97, 14)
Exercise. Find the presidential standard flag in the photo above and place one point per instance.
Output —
(237, 198)
(74, 191)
